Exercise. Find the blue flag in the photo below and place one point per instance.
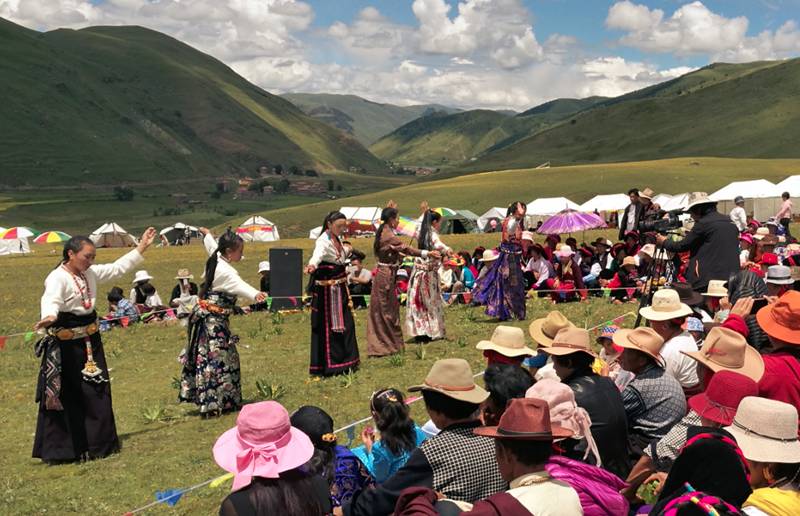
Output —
(169, 496)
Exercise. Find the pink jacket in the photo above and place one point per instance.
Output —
(597, 488)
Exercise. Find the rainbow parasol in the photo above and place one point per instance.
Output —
(51, 237)
(406, 227)
(445, 212)
(17, 232)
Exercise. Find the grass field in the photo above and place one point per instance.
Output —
(166, 445)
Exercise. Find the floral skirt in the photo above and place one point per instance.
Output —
(425, 310)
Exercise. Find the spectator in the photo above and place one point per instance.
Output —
(359, 282)
(265, 454)
(738, 215)
(654, 400)
(568, 279)
(456, 462)
(747, 250)
(784, 215)
(488, 256)
(779, 280)
(604, 256)
(726, 349)
(781, 322)
(543, 331)
(609, 354)
(538, 269)
(184, 294)
(632, 215)
(504, 383)
(624, 285)
(137, 295)
(264, 275)
(119, 307)
(506, 346)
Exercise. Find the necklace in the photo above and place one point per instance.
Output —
(537, 479)
(85, 292)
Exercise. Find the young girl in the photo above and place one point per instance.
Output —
(399, 435)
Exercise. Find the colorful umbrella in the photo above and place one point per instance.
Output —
(18, 232)
(406, 227)
(570, 221)
(51, 237)
(253, 229)
(445, 212)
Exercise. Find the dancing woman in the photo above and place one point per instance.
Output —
(384, 336)
(76, 420)
(502, 288)
(210, 376)
(425, 310)
(334, 349)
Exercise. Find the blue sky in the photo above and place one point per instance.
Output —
(468, 53)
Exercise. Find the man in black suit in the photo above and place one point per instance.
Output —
(713, 243)
(632, 215)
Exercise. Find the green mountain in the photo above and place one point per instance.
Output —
(127, 104)
(728, 110)
(365, 120)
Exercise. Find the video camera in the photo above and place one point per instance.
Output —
(662, 225)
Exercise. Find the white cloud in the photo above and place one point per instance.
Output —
(613, 76)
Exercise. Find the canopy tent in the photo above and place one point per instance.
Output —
(258, 229)
(315, 233)
(361, 220)
(762, 198)
(791, 184)
(14, 246)
(540, 209)
(180, 234)
(111, 234)
(608, 202)
(675, 202)
(661, 199)
(496, 214)
(462, 221)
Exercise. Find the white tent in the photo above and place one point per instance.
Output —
(371, 213)
(14, 246)
(179, 233)
(762, 198)
(315, 233)
(609, 202)
(791, 184)
(540, 209)
(495, 213)
(675, 202)
(112, 234)
(258, 229)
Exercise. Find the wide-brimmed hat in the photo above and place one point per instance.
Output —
(746, 237)
(184, 274)
(455, 261)
(761, 233)
(769, 241)
(647, 193)
(604, 241)
(525, 419)
(687, 294)
(527, 235)
(141, 276)
(648, 249)
(262, 444)
(489, 255)
(724, 348)
(453, 378)
(632, 234)
(642, 339)
(779, 275)
(766, 430)
(698, 198)
(544, 330)
(569, 341)
(780, 320)
(666, 305)
(629, 260)
(768, 259)
(263, 266)
(565, 252)
(722, 396)
(716, 288)
(508, 341)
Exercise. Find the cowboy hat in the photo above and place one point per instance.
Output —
(629, 261)
(525, 419)
(647, 193)
(262, 444)
(719, 401)
(508, 341)
(184, 274)
(761, 233)
(641, 339)
(779, 275)
(687, 294)
(263, 266)
(141, 276)
(648, 249)
(453, 378)
(698, 198)
(724, 348)
(666, 305)
(780, 320)
(565, 252)
(716, 288)
(527, 235)
(489, 255)
(603, 241)
(569, 341)
(544, 330)
(766, 430)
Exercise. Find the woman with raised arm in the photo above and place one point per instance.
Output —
(334, 349)
(502, 288)
(76, 419)
(210, 375)
(384, 336)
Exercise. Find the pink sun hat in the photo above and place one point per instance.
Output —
(262, 444)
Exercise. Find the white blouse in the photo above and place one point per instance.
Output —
(226, 277)
(326, 251)
(438, 245)
(62, 290)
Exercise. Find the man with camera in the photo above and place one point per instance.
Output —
(713, 243)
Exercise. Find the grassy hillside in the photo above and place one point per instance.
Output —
(749, 110)
(365, 120)
(479, 192)
(114, 104)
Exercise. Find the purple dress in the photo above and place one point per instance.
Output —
(502, 288)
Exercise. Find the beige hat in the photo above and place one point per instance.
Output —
(184, 274)
(698, 198)
(726, 349)
(543, 331)
(527, 235)
(569, 341)
(508, 341)
(647, 193)
(641, 339)
(489, 255)
(666, 305)
(648, 249)
(766, 430)
(629, 260)
(716, 288)
(761, 233)
(453, 378)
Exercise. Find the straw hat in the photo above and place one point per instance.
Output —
(761, 233)
(453, 378)
(508, 341)
(544, 330)
(641, 339)
(629, 260)
(565, 252)
(569, 341)
(698, 198)
(725, 349)
(141, 276)
(766, 430)
(525, 419)
(722, 396)
(648, 249)
(263, 266)
(666, 305)
(687, 294)
(184, 274)
(262, 444)
(716, 288)
(780, 320)
(489, 255)
(779, 275)
(647, 193)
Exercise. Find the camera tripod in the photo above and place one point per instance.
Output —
(661, 266)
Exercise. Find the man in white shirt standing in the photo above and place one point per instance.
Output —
(359, 282)
(738, 215)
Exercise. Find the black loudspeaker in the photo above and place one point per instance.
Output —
(286, 278)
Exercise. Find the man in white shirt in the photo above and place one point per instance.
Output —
(359, 282)
(738, 215)
(539, 268)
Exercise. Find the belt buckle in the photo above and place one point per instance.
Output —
(65, 334)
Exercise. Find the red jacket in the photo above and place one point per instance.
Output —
(421, 501)
(781, 380)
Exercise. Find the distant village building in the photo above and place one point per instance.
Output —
(307, 188)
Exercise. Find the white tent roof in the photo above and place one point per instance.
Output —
(609, 202)
(791, 184)
(256, 220)
(315, 233)
(111, 234)
(178, 225)
(550, 206)
(370, 213)
(755, 189)
(260, 230)
(675, 202)
(492, 213)
(14, 246)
